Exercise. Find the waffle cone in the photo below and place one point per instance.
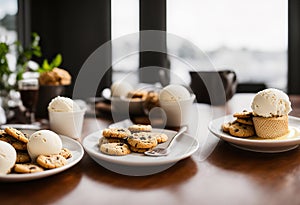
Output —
(271, 127)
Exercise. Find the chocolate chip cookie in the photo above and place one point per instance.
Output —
(140, 128)
(51, 161)
(116, 132)
(66, 153)
(244, 114)
(18, 145)
(27, 168)
(115, 148)
(225, 126)
(246, 121)
(23, 157)
(142, 140)
(104, 140)
(241, 130)
(160, 137)
(138, 150)
(16, 134)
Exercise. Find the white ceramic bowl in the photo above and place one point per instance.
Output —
(67, 123)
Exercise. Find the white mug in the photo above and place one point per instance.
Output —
(178, 112)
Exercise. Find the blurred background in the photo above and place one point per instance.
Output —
(259, 40)
(247, 36)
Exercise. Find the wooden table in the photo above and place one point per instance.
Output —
(217, 173)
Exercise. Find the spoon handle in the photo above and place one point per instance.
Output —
(180, 131)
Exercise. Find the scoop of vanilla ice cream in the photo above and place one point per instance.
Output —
(8, 157)
(62, 104)
(43, 142)
(120, 88)
(174, 92)
(271, 102)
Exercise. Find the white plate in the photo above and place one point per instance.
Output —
(184, 146)
(255, 144)
(22, 126)
(77, 153)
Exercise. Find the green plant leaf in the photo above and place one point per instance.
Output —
(56, 61)
(4, 48)
(46, 65)
(37, 53)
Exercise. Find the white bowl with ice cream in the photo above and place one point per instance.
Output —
(66, 117)
(177, 103)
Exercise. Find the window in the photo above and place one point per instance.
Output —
(249, 37)
(8, 26)
(125, 21)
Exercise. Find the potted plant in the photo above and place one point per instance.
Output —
(53, 81)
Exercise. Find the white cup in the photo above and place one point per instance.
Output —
(178, 112)
(67, 123)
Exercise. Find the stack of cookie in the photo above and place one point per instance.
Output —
(242, 126)
(123, 141)
(114, 141)
(24, 163)
(19, 141)
(152, 100)
(150, 97)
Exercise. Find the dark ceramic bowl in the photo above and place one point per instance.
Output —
(46, 94)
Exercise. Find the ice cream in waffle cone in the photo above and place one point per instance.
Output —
(270, 108)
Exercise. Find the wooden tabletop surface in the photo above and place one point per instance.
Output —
(217, 173)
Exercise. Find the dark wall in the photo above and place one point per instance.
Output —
(153, 17)
(74, 29)
(294, 47)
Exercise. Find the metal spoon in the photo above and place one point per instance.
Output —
(158, 152)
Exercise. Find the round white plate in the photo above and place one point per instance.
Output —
(22, 126)
(184, 146)
(255, 144)
(77, 153)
